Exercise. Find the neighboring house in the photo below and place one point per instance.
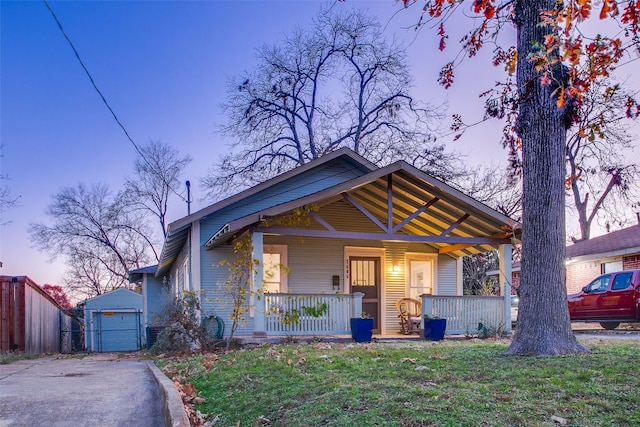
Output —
(370, 237)
(113, 321)
(515, 276)
(614, 251)
(587, 259)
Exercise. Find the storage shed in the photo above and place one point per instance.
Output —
(113, 321)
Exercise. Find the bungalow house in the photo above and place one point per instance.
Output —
(364, 238)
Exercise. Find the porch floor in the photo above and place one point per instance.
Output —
(326, 338)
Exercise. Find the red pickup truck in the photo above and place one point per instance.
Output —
(610, 299)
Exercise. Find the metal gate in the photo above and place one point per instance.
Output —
(116, 330)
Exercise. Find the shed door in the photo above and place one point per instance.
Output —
(365, 278)
(116, 331)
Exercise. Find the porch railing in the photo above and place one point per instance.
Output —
(310, 314)
(464, 313)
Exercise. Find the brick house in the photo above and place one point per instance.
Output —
(615, 251)
(585, 260)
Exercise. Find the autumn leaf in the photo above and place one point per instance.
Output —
(443, 37)
(561, 102)
(446, 75)
(544, 79)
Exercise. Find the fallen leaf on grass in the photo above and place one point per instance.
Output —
(209, 361)
(407, 359)
(559, 420)
(273, 353)
(264, 421)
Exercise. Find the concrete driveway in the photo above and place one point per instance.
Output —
(93, 390)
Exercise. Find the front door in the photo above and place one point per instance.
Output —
(365, 277)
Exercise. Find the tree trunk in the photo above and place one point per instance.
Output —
(543, 321)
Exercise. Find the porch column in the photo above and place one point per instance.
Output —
(356, 309)
(427, 304)
(257, 297)
(504, 278)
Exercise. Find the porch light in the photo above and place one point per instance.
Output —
(335, 280)
(396, 268)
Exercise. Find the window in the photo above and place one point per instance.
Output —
(185, 275)
(611, 267)
(274, 266)
(421, 277)
(599, 285)
(622, 281)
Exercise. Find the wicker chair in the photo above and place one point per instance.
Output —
(410, 315)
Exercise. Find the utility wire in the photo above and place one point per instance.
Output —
(95, 86)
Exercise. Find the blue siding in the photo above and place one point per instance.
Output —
(447, 275)
(156, 294)
(120, 298)
(214, 301)
(318, 179)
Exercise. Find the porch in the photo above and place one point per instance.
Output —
(327, 315)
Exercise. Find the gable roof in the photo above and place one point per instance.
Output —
(178, 231)
(136, 275)
(129, 292)
(423, 209)
(621, 242)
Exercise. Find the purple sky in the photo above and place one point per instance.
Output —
(163, 67)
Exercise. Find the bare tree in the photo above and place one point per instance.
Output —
(495, 187)
(337, 84)
(7, 200)
(474, 271)
(602, 177)
(102, 236)
(157, 170)
(87, 276)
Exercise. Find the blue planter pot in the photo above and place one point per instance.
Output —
(361, 329)
(434, 329)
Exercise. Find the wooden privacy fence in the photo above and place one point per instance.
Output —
(30, 320)
(464, 313)
(309, 314)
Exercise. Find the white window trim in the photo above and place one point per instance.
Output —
(186, 286)
(282, 251)
(418, 256)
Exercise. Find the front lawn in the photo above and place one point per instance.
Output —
(451, 383)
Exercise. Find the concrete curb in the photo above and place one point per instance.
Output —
(174, 413)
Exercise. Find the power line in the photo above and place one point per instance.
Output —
(104, 100)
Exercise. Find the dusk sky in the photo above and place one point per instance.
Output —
(163, 68)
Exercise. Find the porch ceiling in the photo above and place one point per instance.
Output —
(421, 209)
(399, 203)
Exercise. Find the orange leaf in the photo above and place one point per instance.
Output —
(604, 10)
(549, 40)
(561, 102)
(489, 12)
